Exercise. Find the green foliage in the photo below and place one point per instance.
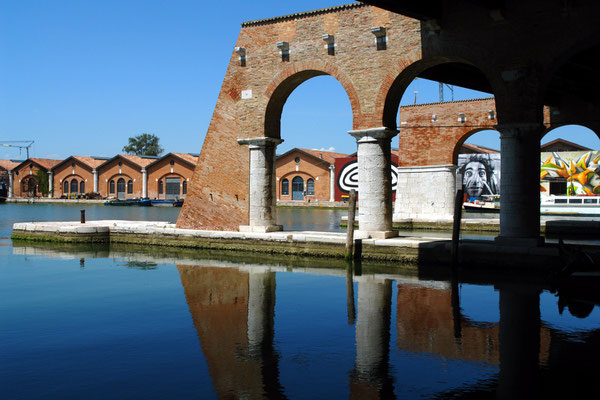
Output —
(144, 145)
(42, 178)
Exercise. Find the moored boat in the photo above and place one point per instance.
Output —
(128, 202)
(487, 204)
(570, 205)
(166, 203)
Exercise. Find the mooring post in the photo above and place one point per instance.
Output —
(83, 216)
(350, 294)
(458, 203)
(350, 232)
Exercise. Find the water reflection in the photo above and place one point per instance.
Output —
(402, 327)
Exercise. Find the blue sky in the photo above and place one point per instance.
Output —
(80, 77)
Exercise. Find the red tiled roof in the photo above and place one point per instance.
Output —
(566, 143)
(478, 149)
(138, 160)
(328, 156)
(47, 163)
(187, 157)
(90, 161)
(8, 165)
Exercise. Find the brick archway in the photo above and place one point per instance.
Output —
(293, 76)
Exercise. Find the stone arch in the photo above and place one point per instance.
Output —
(409, 68)
(293, 76)
(462, 139)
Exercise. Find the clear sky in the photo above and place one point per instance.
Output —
(80, 77)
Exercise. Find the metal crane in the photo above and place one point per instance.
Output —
(14, 143)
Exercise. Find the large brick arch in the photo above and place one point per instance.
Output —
(395, 83)
(293, 76)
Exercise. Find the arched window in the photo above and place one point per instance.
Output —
(184, 188)
(74, 186)
(129, 187)
(310, 187)
(111, 187)
(82, 187)
(285, 187)
(66, 187)
(160, 187)
(297, 188)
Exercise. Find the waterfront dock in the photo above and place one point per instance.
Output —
(421, 250)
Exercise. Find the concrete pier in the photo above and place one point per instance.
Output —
(404, 250)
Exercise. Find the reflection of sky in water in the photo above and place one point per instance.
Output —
(565, 322)
(479, 303)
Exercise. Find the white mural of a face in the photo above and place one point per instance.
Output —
(474, 178)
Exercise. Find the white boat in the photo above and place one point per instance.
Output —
(487, 204)
(570, 205)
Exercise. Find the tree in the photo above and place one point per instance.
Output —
(42, 181)
(144, 145)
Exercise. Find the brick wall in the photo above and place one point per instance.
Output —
(307, 168)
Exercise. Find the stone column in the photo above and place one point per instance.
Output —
(374, 182)
(144, 183)
(95, 173)
(263, 211)
(425, 193)
(50, 184)
(11, 192)
(332, 182)
(519, 184)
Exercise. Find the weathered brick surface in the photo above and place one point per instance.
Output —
(513, 55)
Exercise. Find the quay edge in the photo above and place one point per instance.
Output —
(401, 250)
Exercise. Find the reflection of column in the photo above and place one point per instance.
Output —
(371, 375)
(263, 211)
(519, 337)
(95, 173)
(50, 183)
(374, 182)
(10, 184)
(233, 313)
(519, 185)
(261, 306)
(332, 182)
(144, 183)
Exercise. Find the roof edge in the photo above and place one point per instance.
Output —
(303, 14)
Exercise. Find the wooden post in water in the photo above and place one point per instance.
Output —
(83, 216)
(350, 232)
(458, 202)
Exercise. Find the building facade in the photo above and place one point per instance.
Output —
(169, 176)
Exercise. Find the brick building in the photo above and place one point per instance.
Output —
(76, 175)
(169, 176)
(123, 176)
(306, 175)
(26, 181)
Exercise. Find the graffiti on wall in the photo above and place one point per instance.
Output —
(347, 176)
(480, 174)
(581, 171)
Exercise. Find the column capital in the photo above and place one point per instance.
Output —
(258, 142)
(94, 171)
(517, 129)
(373, 134)
(143, 169)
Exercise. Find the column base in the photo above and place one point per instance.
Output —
(358, 234)
(519, 242)
(260, 228)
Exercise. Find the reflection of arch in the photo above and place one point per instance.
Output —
(293, 76)
(393, 87)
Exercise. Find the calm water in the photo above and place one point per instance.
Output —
(120, 322)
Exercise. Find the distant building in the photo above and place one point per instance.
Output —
(26, 180)
(169, 176)
(561, 145)
(306, 175)
(75, 176)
